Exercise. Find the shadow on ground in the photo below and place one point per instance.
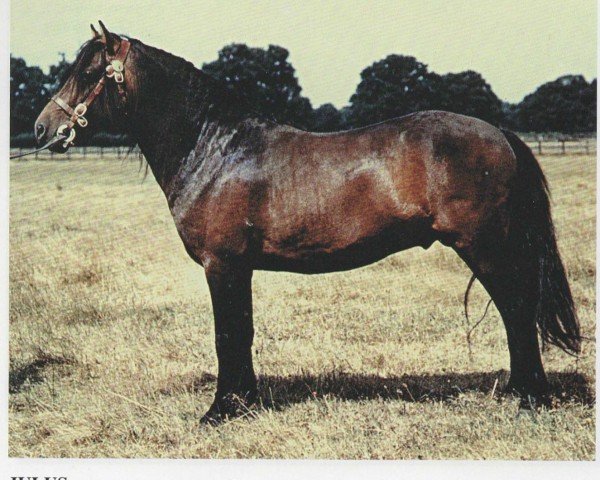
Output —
(278, 392)
(31, 373)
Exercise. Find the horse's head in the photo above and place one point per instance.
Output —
(95, 91)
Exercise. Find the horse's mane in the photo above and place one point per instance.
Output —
(83, 57)
(222, 102)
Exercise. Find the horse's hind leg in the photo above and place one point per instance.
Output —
(513, 290)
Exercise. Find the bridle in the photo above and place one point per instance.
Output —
(66, 133)
(115, 70)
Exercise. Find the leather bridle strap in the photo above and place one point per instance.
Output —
(114, 70)
(53, 141)
(62, 104)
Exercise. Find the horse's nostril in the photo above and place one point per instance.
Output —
(40, 130)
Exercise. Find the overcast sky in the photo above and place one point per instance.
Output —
(515, 45)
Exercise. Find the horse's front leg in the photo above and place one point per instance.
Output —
(231, 294)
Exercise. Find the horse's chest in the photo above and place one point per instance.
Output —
(214, 222)
(189, 217)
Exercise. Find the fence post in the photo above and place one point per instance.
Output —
(587, 147)
(563, 146)
(539, 147)
(101, 152)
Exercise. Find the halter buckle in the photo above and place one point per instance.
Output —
(117, 65)
(115, 72)
(80, 109)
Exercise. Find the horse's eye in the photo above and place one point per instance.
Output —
(87, 74)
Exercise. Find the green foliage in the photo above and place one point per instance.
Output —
(398, 85)
(264, 80)
(392, 87)
(469, 94)
(327, 118)
(568, 104)
(23, 140)
(29, 93)
(510, 116)
(30, 90)
(57, 73)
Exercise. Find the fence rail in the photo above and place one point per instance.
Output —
(562, 147)
(108, 153)
(539, 146)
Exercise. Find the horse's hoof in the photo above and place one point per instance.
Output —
(532, 397)
(534, 402)
(226, 408)
(212, 419)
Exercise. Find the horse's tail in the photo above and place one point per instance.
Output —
(531, 235)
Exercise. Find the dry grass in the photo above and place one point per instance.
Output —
(111, 348)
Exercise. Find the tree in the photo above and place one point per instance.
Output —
(29, 93)
(391, 87)
(567, 104)
(264, 80)
(469, 94)
(398, 85)
(510, 116)
(57, 73)
(327, 118)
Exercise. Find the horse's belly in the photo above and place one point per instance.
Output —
(336, 255)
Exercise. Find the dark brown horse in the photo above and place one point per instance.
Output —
(248, 194)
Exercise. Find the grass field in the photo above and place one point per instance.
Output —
(112, 351)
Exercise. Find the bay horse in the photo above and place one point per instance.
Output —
(248, 194)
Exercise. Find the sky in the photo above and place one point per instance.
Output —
(515, 45)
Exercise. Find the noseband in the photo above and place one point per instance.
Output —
(115, 70)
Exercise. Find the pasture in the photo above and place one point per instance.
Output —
(112, 349)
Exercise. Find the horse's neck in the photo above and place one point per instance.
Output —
(171, 123)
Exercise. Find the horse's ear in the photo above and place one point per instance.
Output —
(111, 40)
(95, 34)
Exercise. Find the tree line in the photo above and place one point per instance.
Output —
(391, 87)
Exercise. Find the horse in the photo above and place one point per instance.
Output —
(247, 193)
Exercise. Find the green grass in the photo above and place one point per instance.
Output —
(112, 351)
